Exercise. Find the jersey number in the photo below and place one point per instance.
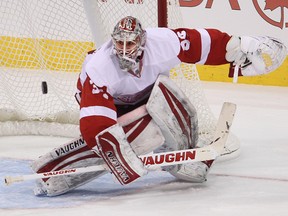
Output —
(185, 44)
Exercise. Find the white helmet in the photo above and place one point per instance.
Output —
(129, 39)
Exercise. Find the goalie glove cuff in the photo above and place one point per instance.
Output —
(233, 51)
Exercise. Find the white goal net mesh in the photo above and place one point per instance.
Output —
(45, 42)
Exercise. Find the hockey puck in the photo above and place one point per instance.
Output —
(44, 87)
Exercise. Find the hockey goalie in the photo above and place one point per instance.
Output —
(130, 107)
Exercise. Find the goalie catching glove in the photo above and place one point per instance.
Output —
(255, 55)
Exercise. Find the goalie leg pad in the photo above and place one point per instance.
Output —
(138, 125)
(177, 119)
(174, 114)
(74, 154)
(193, 172)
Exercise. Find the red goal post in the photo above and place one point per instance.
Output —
(45, 42)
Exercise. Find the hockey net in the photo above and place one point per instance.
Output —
(45, 42)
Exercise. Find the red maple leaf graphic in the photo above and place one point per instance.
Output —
(273, 4)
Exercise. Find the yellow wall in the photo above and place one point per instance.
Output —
(31, 53)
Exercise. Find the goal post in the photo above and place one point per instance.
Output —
(43, 44)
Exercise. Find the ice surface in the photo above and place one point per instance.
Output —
(254, 184)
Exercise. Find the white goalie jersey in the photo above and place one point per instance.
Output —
(160, 56)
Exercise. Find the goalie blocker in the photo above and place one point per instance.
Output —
(170, 122)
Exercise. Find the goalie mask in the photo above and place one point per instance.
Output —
(129, 39)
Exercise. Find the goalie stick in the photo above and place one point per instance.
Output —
(153, 161)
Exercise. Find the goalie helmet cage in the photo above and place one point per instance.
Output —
(45, 42)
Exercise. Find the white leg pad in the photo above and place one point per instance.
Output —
(177, 119)
(138, 125)
(174, 114)
(74, 154)
(192, 172)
